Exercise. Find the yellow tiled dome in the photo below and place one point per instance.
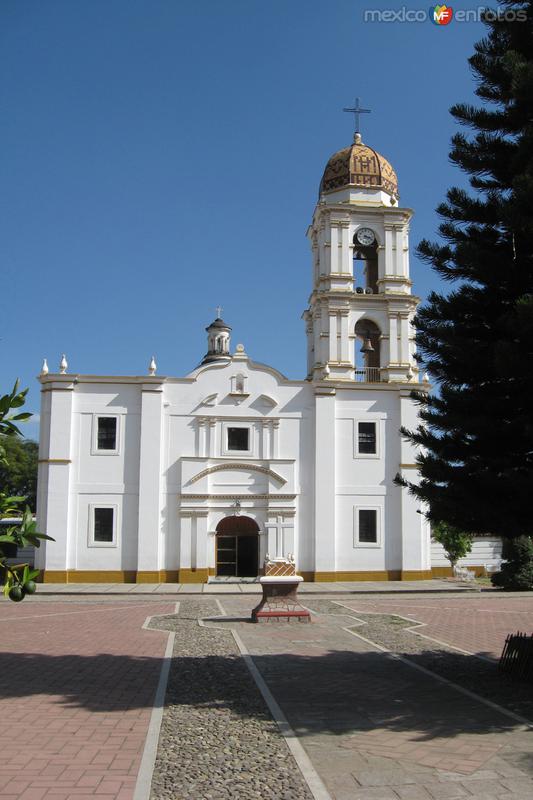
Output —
(359, 165)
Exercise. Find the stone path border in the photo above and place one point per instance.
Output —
(412, 628)
(146, 769)
(310, 775)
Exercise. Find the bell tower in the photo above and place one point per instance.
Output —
(359, 318)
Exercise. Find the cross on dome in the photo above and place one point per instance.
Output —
(357, 110)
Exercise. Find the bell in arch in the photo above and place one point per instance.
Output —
(367, 345)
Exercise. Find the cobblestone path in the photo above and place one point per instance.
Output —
(218, 739)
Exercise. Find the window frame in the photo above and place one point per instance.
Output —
(379, 527)
(377, 426)
(95, 450)
(237, 424)
(90, 534)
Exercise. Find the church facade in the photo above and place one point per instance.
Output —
(155, 478)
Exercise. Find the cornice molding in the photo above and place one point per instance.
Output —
(242, 497)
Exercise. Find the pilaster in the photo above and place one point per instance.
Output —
(212, 438)
(265, 438)
(274, 442)
(185, 540)
(149, 534)
(199, 541)
(55, 469)
(202, 422)
(324, 490)
(414, 531)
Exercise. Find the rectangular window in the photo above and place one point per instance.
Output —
(106, 436)
(238, 438)
(104, 525)
(368, 526)
(366, 438)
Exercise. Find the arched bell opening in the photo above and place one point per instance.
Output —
(237, 547)
(367, 351)
(365, 267)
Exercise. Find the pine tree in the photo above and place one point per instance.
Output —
(476, 433)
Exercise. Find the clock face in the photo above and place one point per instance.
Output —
(365, 236)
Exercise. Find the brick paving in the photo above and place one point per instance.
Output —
(376, 728)
(478, 624)
(79, 675)
(77, 684)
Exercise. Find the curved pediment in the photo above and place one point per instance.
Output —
(239, 465)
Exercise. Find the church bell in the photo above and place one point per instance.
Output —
(367, 346)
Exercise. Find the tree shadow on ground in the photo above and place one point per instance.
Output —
(332, 693)
(346, 691)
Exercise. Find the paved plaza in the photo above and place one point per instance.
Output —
(381, 697)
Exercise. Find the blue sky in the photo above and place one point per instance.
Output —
(161, 157)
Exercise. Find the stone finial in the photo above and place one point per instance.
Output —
(63, 365)
(44, 368)
(325, 372)
(240, 348)
(152, 366)
(425, 378)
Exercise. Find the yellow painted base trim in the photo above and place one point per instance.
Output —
(89, 576)
(108, 576)
(157, 576)
(169, 576)
(53, 576)
(199, 575)
(416, 575)
(148, 576)
(368, 575)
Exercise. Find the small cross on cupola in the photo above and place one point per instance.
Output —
(357, 110)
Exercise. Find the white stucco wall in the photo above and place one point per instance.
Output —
(485, 550)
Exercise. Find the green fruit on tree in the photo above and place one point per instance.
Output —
(16, 593)
(30, 587)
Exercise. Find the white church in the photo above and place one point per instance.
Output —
(151, 478)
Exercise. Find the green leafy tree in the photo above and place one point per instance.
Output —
(19, 580)
(516, 573)
(18, 470)
(456, 543)
(476, 432)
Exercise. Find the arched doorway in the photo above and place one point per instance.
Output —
(237, 547)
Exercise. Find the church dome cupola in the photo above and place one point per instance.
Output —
(359, 166)
(218, 341)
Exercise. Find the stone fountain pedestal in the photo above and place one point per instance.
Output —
(280, 586)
